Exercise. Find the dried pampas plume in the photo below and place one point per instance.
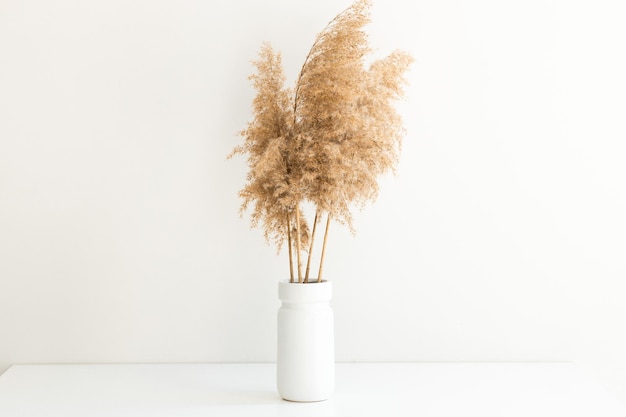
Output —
(325, 142)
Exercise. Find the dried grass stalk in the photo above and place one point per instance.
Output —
(325, 142)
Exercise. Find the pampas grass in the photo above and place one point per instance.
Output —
(326, 141)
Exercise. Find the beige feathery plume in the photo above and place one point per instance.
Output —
(325, 142)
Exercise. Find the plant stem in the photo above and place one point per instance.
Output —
(298, 243)
(319, 275)
(289, 244)
(308, 261)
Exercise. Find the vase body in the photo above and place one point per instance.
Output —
(305, 362)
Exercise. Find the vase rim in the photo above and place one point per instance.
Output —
(292, 291)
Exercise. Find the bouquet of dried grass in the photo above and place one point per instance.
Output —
(325, 142)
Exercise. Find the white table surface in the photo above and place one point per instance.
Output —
(377, 389)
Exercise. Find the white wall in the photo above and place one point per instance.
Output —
(502, 237)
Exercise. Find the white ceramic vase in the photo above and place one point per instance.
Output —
(306, 348)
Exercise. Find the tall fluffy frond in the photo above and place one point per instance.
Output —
(267, 192)
(328, 140)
